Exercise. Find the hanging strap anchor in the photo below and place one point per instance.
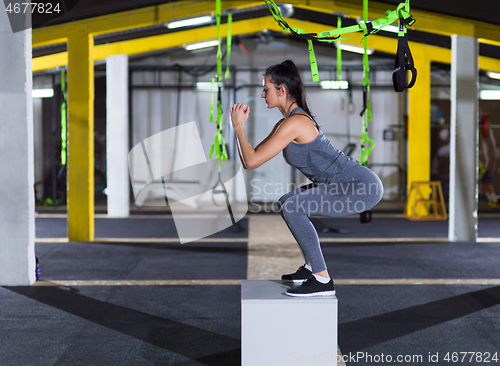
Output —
(222, 190)
(403, 64)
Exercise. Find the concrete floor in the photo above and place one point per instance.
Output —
(137, 297)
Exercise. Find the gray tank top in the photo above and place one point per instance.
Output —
(318, 160)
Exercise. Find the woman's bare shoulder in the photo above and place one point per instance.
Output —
(304, 128)
(300, 120)
(279, 122)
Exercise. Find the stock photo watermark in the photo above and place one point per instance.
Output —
(27, 14)
(332, 199)
(199, 192)
(366, 358)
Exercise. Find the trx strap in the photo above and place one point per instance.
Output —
(402, 65)
(219, 53)
(366, 216)
(219, 145)
(366, 27)
(339, 52)
(366, 112)
(228, 45)
(64, 135)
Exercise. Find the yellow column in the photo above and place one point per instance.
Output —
(419, 126)
(80, 137)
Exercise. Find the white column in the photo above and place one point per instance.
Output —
(462, 224)
(17, 208)
(117, 136)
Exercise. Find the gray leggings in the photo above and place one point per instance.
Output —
(358, 190)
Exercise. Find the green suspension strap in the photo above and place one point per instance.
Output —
(366, 216)
(366, 112)
(312, 59)
(64, 136)
(219, 145)
(366, 27)
(228, 45)
(219, 53)
(339, 52)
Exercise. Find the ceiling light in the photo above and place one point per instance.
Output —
(42, 93)
(334, 84)
(286, 10)
(197, 46)
(493, 75)
(189, 22)
(206, 86)
(356, 49)
(489, 94)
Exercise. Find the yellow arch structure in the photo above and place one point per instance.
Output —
(82, 54)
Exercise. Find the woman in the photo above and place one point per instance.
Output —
(341, 186)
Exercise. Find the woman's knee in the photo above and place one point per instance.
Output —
(292, 207)
(286, 204)
(376, 192)
(379, 191)
(283, 198)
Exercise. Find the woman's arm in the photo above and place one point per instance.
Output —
(259, 145)
(270, 135)
(251, 158)
(239, 153)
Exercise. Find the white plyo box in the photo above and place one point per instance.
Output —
(277, 329)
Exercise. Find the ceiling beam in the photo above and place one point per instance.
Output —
(128, 20)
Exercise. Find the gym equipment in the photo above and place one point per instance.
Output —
(64, 135)
(268, 318)
(420, 203)
(366, 216)
(401, 14)
(403, 64)
(219, 145)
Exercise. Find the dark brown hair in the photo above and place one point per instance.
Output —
(287, 74)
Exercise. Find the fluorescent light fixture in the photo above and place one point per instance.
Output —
(42, 93)
(356, 49)
(489, 94)
(197, 46)
(493, 75)
(286, 10)
(206, 86)
(189, 22)
(334, 84)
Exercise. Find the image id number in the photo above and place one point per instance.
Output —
(471, 357)
(39, 8)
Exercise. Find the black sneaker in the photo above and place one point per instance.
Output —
(299, 276)
(312, 287)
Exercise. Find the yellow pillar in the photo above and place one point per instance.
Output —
(80, 137)
(419, 126)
